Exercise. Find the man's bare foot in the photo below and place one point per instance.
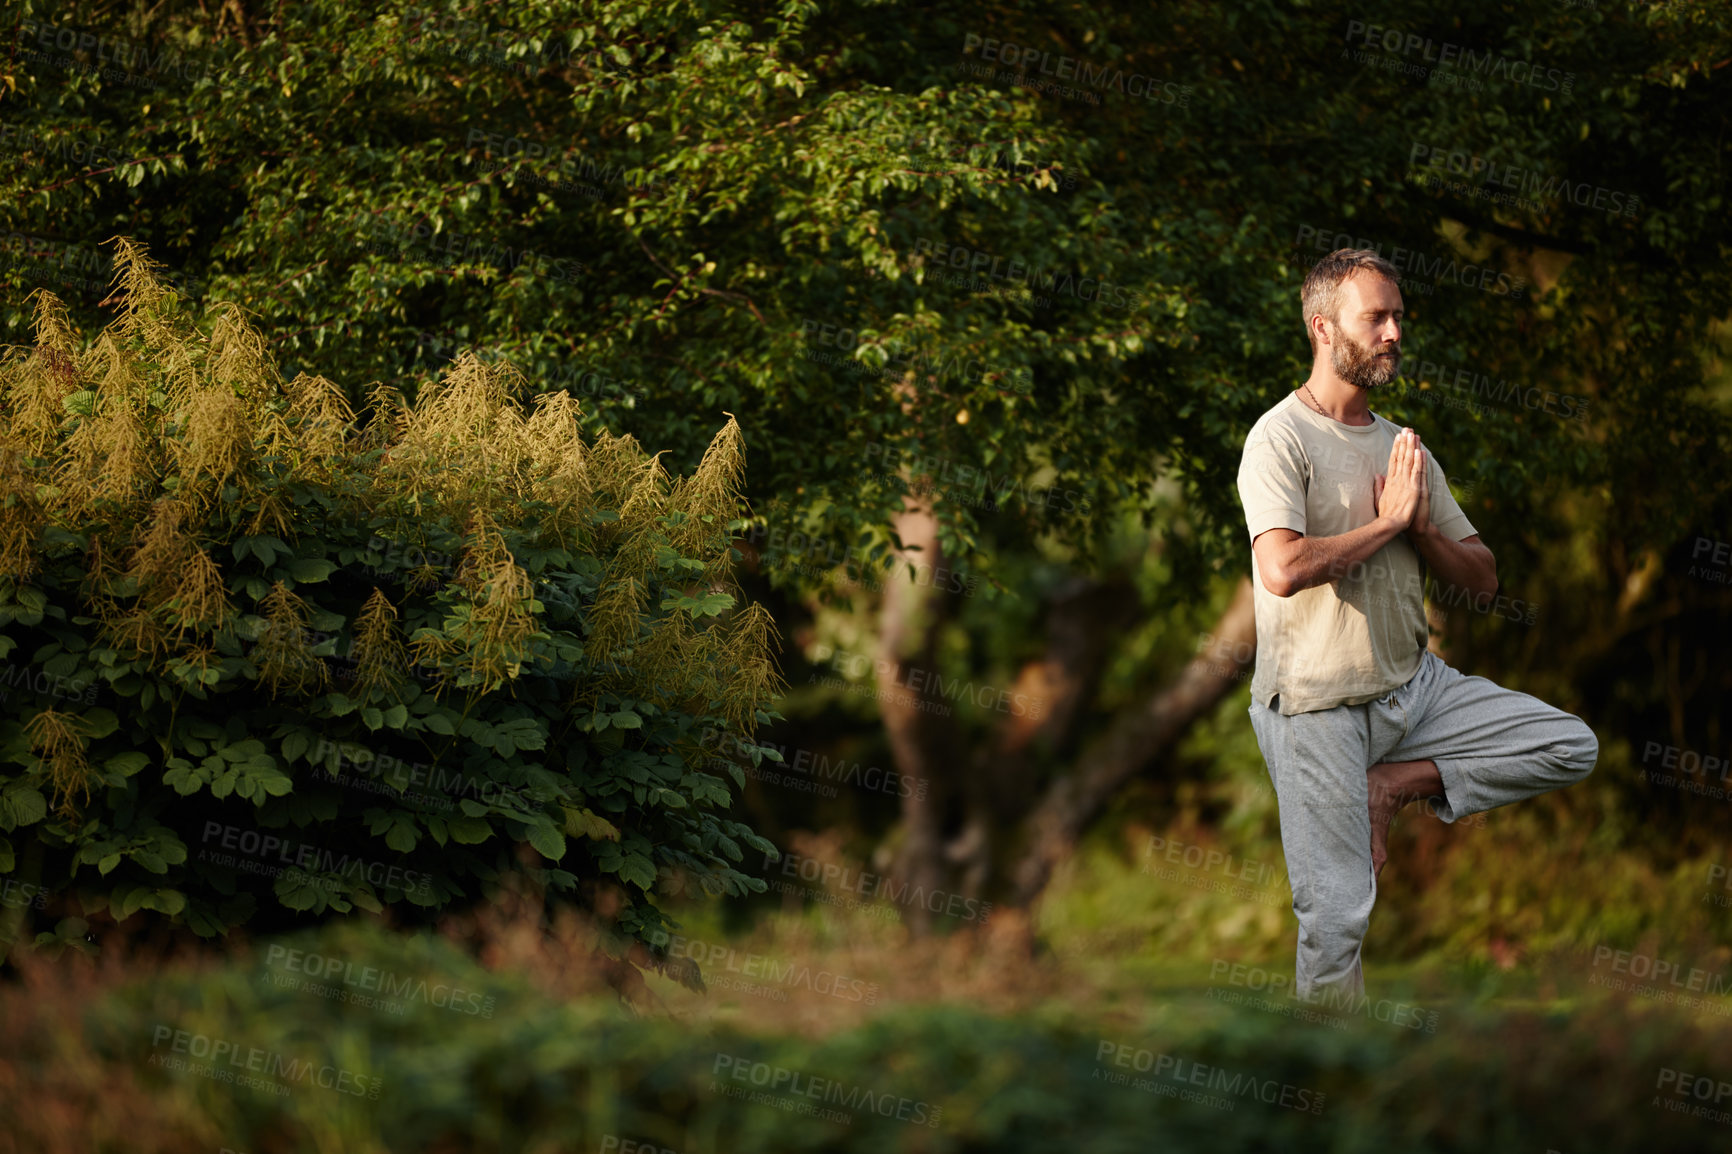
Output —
(1389, 786)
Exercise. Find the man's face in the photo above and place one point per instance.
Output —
(1365, 342)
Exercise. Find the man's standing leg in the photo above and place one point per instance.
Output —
(1318, 763)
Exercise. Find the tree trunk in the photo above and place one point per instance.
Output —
(911, 617)
(1132, 743)
(1084, 620)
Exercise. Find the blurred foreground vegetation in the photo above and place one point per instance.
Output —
(1490, 1033)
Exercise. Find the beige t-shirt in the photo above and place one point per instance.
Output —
(1360, 635)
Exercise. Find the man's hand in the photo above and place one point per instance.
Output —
(1403, 497)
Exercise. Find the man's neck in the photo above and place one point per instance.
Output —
(1336, 399)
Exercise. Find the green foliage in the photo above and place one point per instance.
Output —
(501, 1066)
(263, 653)
(661, 205)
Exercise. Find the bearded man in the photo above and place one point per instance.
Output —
(1355, 716)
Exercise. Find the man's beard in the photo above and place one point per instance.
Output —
(1359, 366)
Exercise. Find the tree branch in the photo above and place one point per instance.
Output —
(1132, 743)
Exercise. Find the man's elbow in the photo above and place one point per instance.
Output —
(1492, 584)
(1279, 581)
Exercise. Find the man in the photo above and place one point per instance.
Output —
(1355, 716)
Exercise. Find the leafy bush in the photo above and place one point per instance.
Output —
(260, 648)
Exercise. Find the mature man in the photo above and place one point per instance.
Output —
(1355, 716)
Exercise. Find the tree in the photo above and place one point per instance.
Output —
(941, 258)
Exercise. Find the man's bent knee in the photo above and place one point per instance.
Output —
(1581, 751)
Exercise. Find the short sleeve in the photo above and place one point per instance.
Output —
(1272, 485)
(1446, 513)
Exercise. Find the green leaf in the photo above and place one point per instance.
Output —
(127, 901)
(23, 805)
(100, 722)
(548, 842)
(468, 830)
(127, 764)
(403, 836)
(294, 745)
(583, 823)
(311, 569)
(397, 716)
(638, 869)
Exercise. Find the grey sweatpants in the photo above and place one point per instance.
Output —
(1492, 746)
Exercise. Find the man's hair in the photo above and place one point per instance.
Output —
(1322, 289)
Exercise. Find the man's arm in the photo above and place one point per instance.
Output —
(1465, 564)
(1288, 562)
